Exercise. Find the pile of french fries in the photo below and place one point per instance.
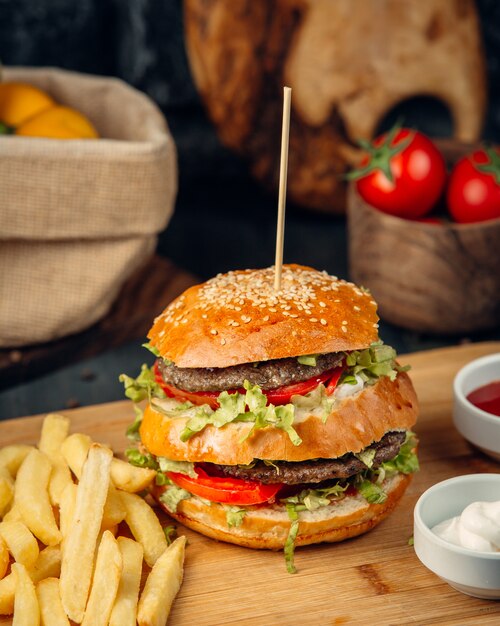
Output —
(62, 505)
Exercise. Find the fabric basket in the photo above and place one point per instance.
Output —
(77, 217)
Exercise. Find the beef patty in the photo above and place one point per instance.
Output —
(317, 470)
(267, 374)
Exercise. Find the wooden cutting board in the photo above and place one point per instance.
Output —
(373, 579)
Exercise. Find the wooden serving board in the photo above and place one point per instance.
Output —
(375, 579)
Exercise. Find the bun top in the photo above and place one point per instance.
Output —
(238, 317)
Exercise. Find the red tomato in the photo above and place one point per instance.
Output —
(281, 395)
(474, 188)
(404, 174)
(228, 490)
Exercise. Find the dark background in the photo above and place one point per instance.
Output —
(223, 220)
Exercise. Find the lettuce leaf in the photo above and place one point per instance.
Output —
(308, 359)
(234, 515)
(172, 496)
(149, 346)
(313, 499)
(289, 548)
(367, 456)
(170, 533)
(140, 459)
(180, 467)
(371, 492)
(371, 363)
(142, 387)
(132, 431)
(314, 399)
(248, 407)
(406, 460)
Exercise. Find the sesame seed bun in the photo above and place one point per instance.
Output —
(238, 318)
(267, 526)
(354, 423)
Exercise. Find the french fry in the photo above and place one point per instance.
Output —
(11, 457)
(13, 515)
(145, 526)
(7, 592)
(32, 498)
(26, 610)
(124, 611)
(80, 542)
(130, 478)
(20, 542)
(74, 450)
(107, 573)
(124, 476)
(49, 601)
(162, 585)
(114, 511)
(47, 565)
(55, 429)
(67, 508)
(6, 489)
(4, 558)
(59, 479)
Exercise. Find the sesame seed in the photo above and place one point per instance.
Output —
(301, 289)
(245, 319)
(313, 319)
(356, 308)
(222, 342)
(266, 318)
(375, 325)
(323, 321)
(213, 331)
(344, 329)
(344, 323)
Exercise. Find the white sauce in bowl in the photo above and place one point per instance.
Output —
(477, 528)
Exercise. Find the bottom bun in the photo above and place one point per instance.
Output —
(267, 527)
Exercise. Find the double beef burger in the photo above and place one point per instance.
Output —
(275, 419)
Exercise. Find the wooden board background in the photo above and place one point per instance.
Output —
(374, 579)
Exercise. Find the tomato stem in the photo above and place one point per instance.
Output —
(381, 155)
(493, 167)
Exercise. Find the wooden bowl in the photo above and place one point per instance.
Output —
(426, 277)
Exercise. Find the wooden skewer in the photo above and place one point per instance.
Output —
(280, 230)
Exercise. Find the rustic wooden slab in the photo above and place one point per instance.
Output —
(373, 579)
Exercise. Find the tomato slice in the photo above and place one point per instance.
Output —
(278, 396)
(227, 490)
(333, 382)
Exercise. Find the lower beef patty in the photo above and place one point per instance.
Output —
(267, 374)
(318, 470)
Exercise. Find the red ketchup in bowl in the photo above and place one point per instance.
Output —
(487, 397)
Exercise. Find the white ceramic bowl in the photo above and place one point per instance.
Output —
(480, 428)
(474, 573)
